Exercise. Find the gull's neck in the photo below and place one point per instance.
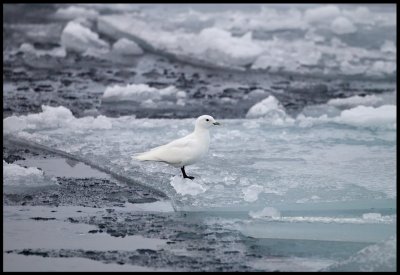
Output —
(201, 131)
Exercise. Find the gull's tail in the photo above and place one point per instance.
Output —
(149, 155)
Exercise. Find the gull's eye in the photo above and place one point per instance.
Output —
(207, 119)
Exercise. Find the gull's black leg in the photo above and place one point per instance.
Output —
(184, 173)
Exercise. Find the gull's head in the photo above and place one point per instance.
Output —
(206, 122)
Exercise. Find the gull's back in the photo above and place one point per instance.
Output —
(180, 152)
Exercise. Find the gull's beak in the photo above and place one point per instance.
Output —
(217, 123)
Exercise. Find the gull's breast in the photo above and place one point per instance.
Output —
(196, 152)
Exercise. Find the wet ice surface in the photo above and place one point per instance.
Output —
(304, 180)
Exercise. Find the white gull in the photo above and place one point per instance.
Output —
(186, 150)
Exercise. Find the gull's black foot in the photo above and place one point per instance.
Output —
(184, 174)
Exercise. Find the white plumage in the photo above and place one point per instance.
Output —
(183, 151)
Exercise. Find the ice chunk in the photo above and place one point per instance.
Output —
(266, 212)
(329, 110)
(213, 45)
(372, 216)
(353, 101)
(361, 15)
(271, 110)
(219, 45)
(352, 69)
(53, 117)
(29, 48)
(388, 47)
(251, 193)
(16, 177)
(360, 116)
(186, 186)
(142, 93)
(14, 170)
(343, 25)
(126, 47)
(369, 116)
(76, 12)
(373, 258)
(280, 54)
(267, 105)
(321, 14)
(381, 67)
(78, 38)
